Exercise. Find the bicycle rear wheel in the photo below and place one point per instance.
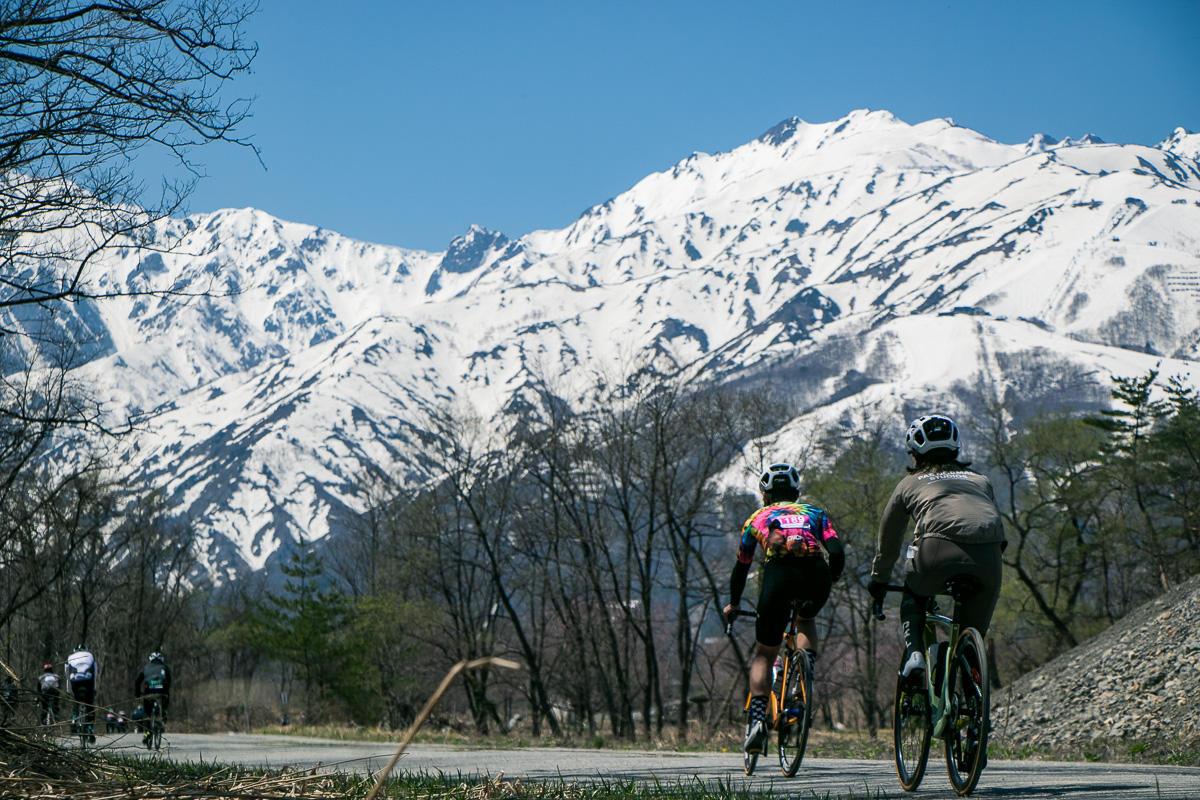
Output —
(156, 725)
(912, 729)
(796, 708)
(749, 760)
(79, 726)
(967, 724)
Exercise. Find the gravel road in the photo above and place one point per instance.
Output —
(846, 777)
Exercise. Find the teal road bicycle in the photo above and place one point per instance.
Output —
(951, 703)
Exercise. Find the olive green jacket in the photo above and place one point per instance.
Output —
(948, 502)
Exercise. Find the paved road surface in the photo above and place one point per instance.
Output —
(1002, 779)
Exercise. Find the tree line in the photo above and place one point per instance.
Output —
(594, 547)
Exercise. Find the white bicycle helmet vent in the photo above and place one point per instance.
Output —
(777, 476)
(932, 432)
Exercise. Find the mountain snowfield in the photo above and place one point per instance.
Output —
(861, 261)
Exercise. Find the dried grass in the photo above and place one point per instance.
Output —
(36, 767)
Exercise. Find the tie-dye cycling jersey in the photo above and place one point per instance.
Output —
(804, 527)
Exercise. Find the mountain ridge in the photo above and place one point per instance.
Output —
(868, 259)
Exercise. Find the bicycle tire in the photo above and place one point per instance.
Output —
(156, 725)
(796, 708)
(912, 731)
(749, 760)
(967, 727)
(79, 726)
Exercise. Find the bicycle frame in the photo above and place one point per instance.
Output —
(939, 688)
(776, 700)
(787, 646)
(956, 691)
(786, 722)
(155, 726)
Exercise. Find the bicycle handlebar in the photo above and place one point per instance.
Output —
(877, 605)
(734, 614)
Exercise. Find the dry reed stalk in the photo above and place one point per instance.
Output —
(428, 709)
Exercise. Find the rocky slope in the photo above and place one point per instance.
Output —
(1137, 683)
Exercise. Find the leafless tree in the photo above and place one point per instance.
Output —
(852, 482)
(85, 86)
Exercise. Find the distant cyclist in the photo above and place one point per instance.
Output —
(8, 699)
(82, 674)
(791, 535)
(153, 681)
(958, 533)
(49, 691)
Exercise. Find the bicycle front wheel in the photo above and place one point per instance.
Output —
(912, 729)
(796, 708)
(967, 721)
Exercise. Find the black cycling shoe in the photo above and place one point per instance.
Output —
(756, 739)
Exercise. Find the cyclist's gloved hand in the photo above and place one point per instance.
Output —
(877, 590)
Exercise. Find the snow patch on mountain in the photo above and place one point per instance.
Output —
(862, 260)
(1182, 142)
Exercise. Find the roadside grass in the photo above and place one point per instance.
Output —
(163, 779)
(442, 788)
(1175, 752)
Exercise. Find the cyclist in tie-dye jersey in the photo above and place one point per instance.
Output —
(792, 535)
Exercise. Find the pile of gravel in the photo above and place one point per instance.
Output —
(1137, 683)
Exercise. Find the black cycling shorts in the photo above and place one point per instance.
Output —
(937, 560)
(805, 580)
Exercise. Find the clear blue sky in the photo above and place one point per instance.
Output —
(405, 122)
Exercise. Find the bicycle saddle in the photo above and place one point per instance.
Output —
(961, 586)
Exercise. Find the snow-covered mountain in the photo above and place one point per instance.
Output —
(861, 260)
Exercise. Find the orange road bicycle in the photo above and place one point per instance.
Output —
(951, 703)
(790, 702)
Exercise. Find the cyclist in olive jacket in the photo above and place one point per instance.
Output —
(958, 533)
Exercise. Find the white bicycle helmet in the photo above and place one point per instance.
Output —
(931, 432)
(777, 476)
